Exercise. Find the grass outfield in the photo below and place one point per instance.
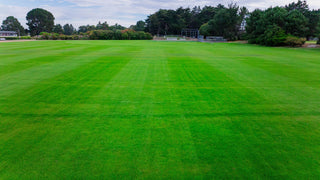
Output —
(149, 110)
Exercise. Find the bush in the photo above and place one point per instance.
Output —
(295, 41)
(318, 42)
(127, 34)
(25, 37)
(44, 35)
(273, 36)
(62, 37)
(54, 36)
(17, 38)
(75, 37)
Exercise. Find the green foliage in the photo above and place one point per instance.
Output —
(295, 19)
(62, 37)
(225, 22)
(40, 20)
(254, 27)
(55, 36)
(116, 27)
(12, 24)
(205, 30)
(222, 21)
(87, 28)
(127, 34)
(17, 38)
(102, 26)
(300, 6)
(296, 24)
(295, 41)
(140, 26)
(318, 41)
(273, 36)
(57, 29)
(68, 29)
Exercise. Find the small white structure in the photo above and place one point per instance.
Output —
(8, 34)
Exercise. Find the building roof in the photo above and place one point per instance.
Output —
(8, 32)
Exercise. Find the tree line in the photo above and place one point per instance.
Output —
(273, 26)
(219, 20)
(40, 20)
(277, 25)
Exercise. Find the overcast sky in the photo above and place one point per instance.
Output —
(124, 12)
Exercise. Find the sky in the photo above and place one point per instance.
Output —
(124, 12)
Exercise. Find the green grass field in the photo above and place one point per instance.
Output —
(158, 110)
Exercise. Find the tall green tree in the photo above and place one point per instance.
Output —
(140, 26)
(102, 26)
(205, 30)
(312, 16)
(255, 25)
(272, 26)
(12, 24)
(87, 28)
(301, 6)
(116, 27)
(227, 21)
(296, 24)
(40, 20)
(57, 29)
(68, 29)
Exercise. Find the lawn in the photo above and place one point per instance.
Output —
(158, 110)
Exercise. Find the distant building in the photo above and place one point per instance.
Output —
(8, 34)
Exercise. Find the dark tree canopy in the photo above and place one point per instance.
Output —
(102, 26)
(140, 26)
(226, 22)
(221, 20)
(87, 28)
(12, 24)
(274, 26)
(301, 6)
(116, 27)
(68, 29)
(57, 29)
(40, 20)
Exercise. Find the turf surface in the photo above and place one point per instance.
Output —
(149, 110)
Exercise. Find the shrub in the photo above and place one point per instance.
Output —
(69, 38)
(44, 35)
(54, 36)
(11, 38)
(318, 42)
(295, 41)
(25, 37)
(127, 34)
(83, 38)
(75, 37)
(273, 36)
(62, 37)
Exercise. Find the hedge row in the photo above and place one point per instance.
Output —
(127, 34)
(55, 36)
(17, 38)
